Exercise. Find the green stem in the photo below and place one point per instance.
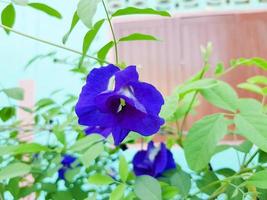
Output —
(50, 43)
(251, 158)
(190, 106)
(113, 33)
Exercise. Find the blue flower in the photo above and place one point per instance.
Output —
(66, 164)
(154, 161)
(114, 101)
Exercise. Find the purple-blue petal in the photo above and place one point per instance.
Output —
(160, 161)
(170, 161)
(132, 119)
(97, 82)
(61, 173)
(124, 77)
(92, 116)
(100, 130)
(119, 135)
(148, 96)
(141, 165)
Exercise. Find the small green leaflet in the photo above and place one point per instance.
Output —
(147, 187)
(46, 9)
(86, 10)
(84, 143)
(253, 126)
(258, 80)
(258, 179)
(74, 22)
(258, 62)
(90, 35)
(14, 93)
(118, 193)
(251, 87)
(140, 11)
(222, 96)
(91, 154)
(22, 149)
(7, 113)
(14, 170)
(103, 52)
(123, 169)
(8, 16)
(138, 36)
(201, 141)
(21, 2)
(99, 179)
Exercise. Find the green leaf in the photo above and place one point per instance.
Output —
(209, 177)
(86, 10)
(46, 9)
(8, 16)
(253, 126)
(7, 113)
(71, 173)
(90, 35)
(22, 149)
(219, 69)
(21, 2)
(226, 172)
(202, 84)
(44, 103)
(118, 193)
(201, 141)
(84, 143)
(123, 169)
(99, 179)
(258, 179)
(147, 187)
(249, 106)
(103, 52)
(182, 181)
(245, 147)
(262, 157)
(91, 154)
(251, 87)
(74, 22)
(14, 93)
(257, 62)
(258, 80)
(138, 36)
(14, 170)
(138, 11)
(222, 96)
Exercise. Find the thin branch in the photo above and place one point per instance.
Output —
(50, 43)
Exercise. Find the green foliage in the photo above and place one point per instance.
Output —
(14, 170)
(75, 20)
(99, 179)
(101, 171)
(86, 11)
(202, 138)
(8, 16)
(118, 193)
(137, 36)
(140, 11)
(222, 96)
(14, 93)
(258, 179)
(123, 169)
(7, 113)
(46, 9)
(253, 126)
(146, 187)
